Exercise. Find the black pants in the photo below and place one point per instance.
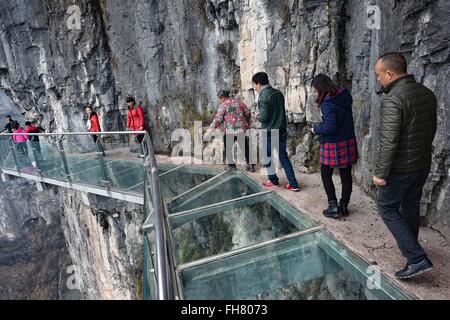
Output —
(399, 207)
(230, 139)
(100, 147)
(140, 138)
(346, 180)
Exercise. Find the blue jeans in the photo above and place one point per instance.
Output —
(399, 207)
(284, 160)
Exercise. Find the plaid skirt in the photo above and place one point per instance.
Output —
(339, 154)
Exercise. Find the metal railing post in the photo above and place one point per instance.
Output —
(106, 182)
(62, 153)
(162, 268)
(163, 263)
(144, 145)
(150, 156)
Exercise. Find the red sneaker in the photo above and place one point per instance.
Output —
(270, 184)
(291, 188)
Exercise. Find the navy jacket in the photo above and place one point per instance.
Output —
(337, 119)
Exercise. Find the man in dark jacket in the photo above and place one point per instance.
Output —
(407, 129)
(272, 116)
(10, 124)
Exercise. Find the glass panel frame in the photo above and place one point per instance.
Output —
(187, 201)
(323, 242)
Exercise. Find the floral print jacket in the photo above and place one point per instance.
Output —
(233, 117)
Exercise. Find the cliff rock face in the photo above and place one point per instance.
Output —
(174, 56)
(105, 242)
(33, 252)
(67, 245)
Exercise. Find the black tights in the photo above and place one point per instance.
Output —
(346, 180)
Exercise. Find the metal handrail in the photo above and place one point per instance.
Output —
(163, 267)
(73, 133)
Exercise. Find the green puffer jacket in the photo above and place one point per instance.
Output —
(272, 114)
(407, 127)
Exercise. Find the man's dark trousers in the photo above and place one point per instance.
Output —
(399, 207)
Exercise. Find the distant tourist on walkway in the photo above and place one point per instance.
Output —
(93, 125)
(135, 119)
(10, 124)
(338, 148)
(20, 140)
(272, 116)
(34, 140)
(407, 128)
(233, 119)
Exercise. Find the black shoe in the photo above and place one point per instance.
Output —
(414, 269)
(343, 208)
(332, 211)
(230, 167)
(250, 168)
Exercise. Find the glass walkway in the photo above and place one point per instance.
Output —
(209, 233)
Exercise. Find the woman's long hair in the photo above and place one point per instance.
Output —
(324, 86)
(92, 111)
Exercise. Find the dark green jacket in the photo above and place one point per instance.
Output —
(407, 127)
(272, 114)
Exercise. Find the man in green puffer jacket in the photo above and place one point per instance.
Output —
(272, 115)
(407, 129)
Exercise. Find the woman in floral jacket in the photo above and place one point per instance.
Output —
(233, 119)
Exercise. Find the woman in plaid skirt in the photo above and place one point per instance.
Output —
(338, 147)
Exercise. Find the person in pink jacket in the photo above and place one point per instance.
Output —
(20, 140)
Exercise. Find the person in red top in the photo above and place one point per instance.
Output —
(93, 125)
(34, 140)
(135, 118)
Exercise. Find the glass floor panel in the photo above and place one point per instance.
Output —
(301, 268)
(23, 160)
(227, 187)
(180, 180)
(85, 170)
(229, 229)
(53, 169)
(126, 175)
(51, 164)
(220, 223)
(48, 163)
